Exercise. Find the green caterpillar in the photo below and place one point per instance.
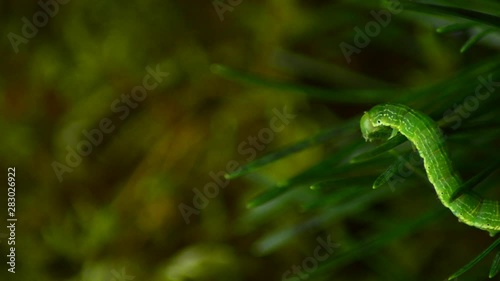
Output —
(426, 136)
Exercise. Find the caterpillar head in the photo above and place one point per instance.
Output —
(373, 129)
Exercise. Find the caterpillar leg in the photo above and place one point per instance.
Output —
(394, 133)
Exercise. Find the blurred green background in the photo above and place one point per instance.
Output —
(125, 211)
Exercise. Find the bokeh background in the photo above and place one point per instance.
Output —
(117, 215)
